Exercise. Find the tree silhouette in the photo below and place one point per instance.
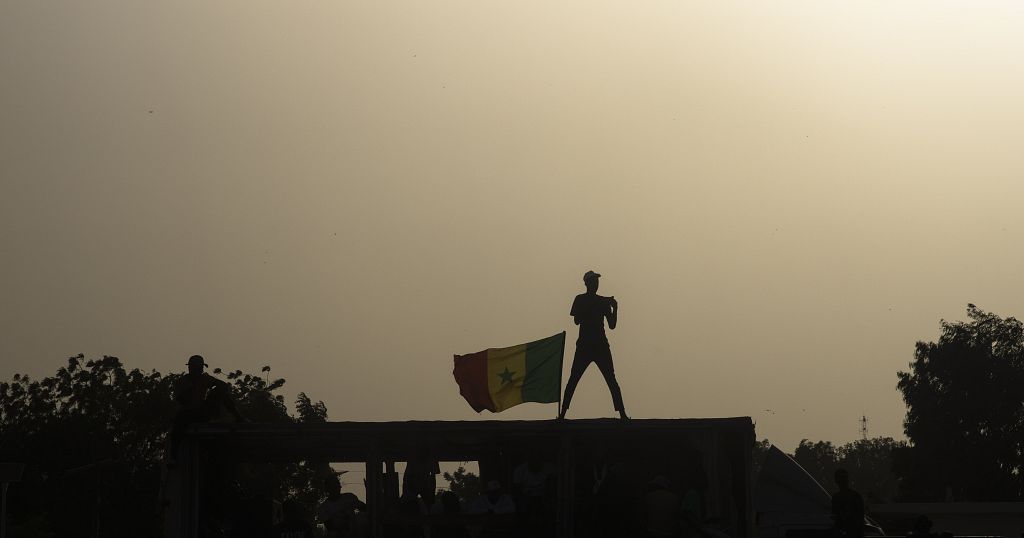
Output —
(869, 463)
(964, 414)
(758, 453)
(93, 436)
(819, 459)
(463, 483)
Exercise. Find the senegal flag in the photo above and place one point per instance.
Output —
(496, 379)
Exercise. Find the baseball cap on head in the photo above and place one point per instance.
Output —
(590, 275)
(196, 360)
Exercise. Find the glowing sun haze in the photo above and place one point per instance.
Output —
(783, 196)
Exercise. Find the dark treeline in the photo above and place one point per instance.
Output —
(868, 461)
(964, 422)
(965, 417)
(93, 437)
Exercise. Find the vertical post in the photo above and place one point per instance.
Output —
(391, 479)
(716, 461)
(561, 367)
(3, 511)
(566, 488)
(373, 492)
(99, 500)
(193, 487)
(749, 517)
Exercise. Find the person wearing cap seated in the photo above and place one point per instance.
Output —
(589, 310)
(201, 396)
(493, 501)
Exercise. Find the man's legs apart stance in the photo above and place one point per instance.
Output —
(579, 365)
(603, 357)
(604, 363)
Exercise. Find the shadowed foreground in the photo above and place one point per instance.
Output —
(602, 471)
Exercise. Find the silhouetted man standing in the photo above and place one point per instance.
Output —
(847, 508)
(589, 311)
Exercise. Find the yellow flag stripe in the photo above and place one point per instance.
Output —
(506, 370)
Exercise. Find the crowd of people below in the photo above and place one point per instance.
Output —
(528, 508)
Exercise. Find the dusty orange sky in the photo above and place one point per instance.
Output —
(783, 196)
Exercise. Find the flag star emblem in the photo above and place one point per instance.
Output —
(506, 376)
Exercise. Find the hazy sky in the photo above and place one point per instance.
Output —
(783, 196)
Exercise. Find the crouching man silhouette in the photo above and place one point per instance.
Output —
(589, 311)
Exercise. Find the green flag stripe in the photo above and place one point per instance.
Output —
(543, 369)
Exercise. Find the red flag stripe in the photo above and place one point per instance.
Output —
(471, 375)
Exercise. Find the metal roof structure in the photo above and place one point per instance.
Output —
(447, 440)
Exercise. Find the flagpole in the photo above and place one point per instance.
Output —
(561, 367)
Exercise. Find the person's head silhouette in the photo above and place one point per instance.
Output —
(196, 364)
(922, 525)
(590, 280)
(332, 485)
(842, 478)
(494, 491)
